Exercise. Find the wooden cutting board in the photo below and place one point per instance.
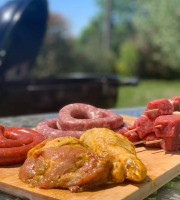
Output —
(162, 167)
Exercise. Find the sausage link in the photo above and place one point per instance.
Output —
(16, 142)
(76, 118)
(51, 129)
(81, 117)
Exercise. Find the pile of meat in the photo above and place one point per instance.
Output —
(160, 122)
(82, 150)
(100, 157)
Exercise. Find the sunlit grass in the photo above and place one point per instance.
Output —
(147, 90)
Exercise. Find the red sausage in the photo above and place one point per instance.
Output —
(16, 142)
(12, 139)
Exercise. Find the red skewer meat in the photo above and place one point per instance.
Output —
(144, 126)
(158, 107)
(167, 126)
(169, 130)
(131, 135)
(152, 137)
(175, 101)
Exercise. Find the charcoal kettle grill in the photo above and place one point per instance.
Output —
(22, 28)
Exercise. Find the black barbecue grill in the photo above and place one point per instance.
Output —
(20, 94)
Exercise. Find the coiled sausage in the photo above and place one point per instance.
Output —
(74, 119)
(16, 142)
(81, 117)
(50, 129)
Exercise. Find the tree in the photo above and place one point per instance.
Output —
(91, 48)
(127, 62)
(158, 31)
(122, 13)
(100, 40)
(56, 56)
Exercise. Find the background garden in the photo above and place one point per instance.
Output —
(132, 38)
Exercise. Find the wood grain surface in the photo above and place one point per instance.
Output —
(162, 167)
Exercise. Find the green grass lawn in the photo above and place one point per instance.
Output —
(147, 90)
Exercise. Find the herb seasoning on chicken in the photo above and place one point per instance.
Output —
(64, 163)
(105, 142)
(99, 157)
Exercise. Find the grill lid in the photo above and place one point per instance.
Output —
(22, 27)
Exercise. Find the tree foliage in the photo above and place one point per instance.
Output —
(143, 35)
(128, 59)
(92, 41)
(56, 56)
(90, 46)
(158, 31)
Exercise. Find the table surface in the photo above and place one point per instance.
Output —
(170, 191)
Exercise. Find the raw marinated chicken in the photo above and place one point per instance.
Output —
(105, 142)
(64, 163)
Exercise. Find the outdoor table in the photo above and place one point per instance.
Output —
(170, 190)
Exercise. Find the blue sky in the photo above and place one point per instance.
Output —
(77, 12)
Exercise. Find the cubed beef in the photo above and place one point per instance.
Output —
(159, 107)
(152, 137)
(144, 126)
(175, 101)
(167, 126)
(132, 136)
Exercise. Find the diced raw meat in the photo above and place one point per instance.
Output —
(151, 137)
(169, 130)
(159, 107)
(130, 127)
(171, 144)
(144, 126)
(175, 101)
(131, 136)
(170, 126)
